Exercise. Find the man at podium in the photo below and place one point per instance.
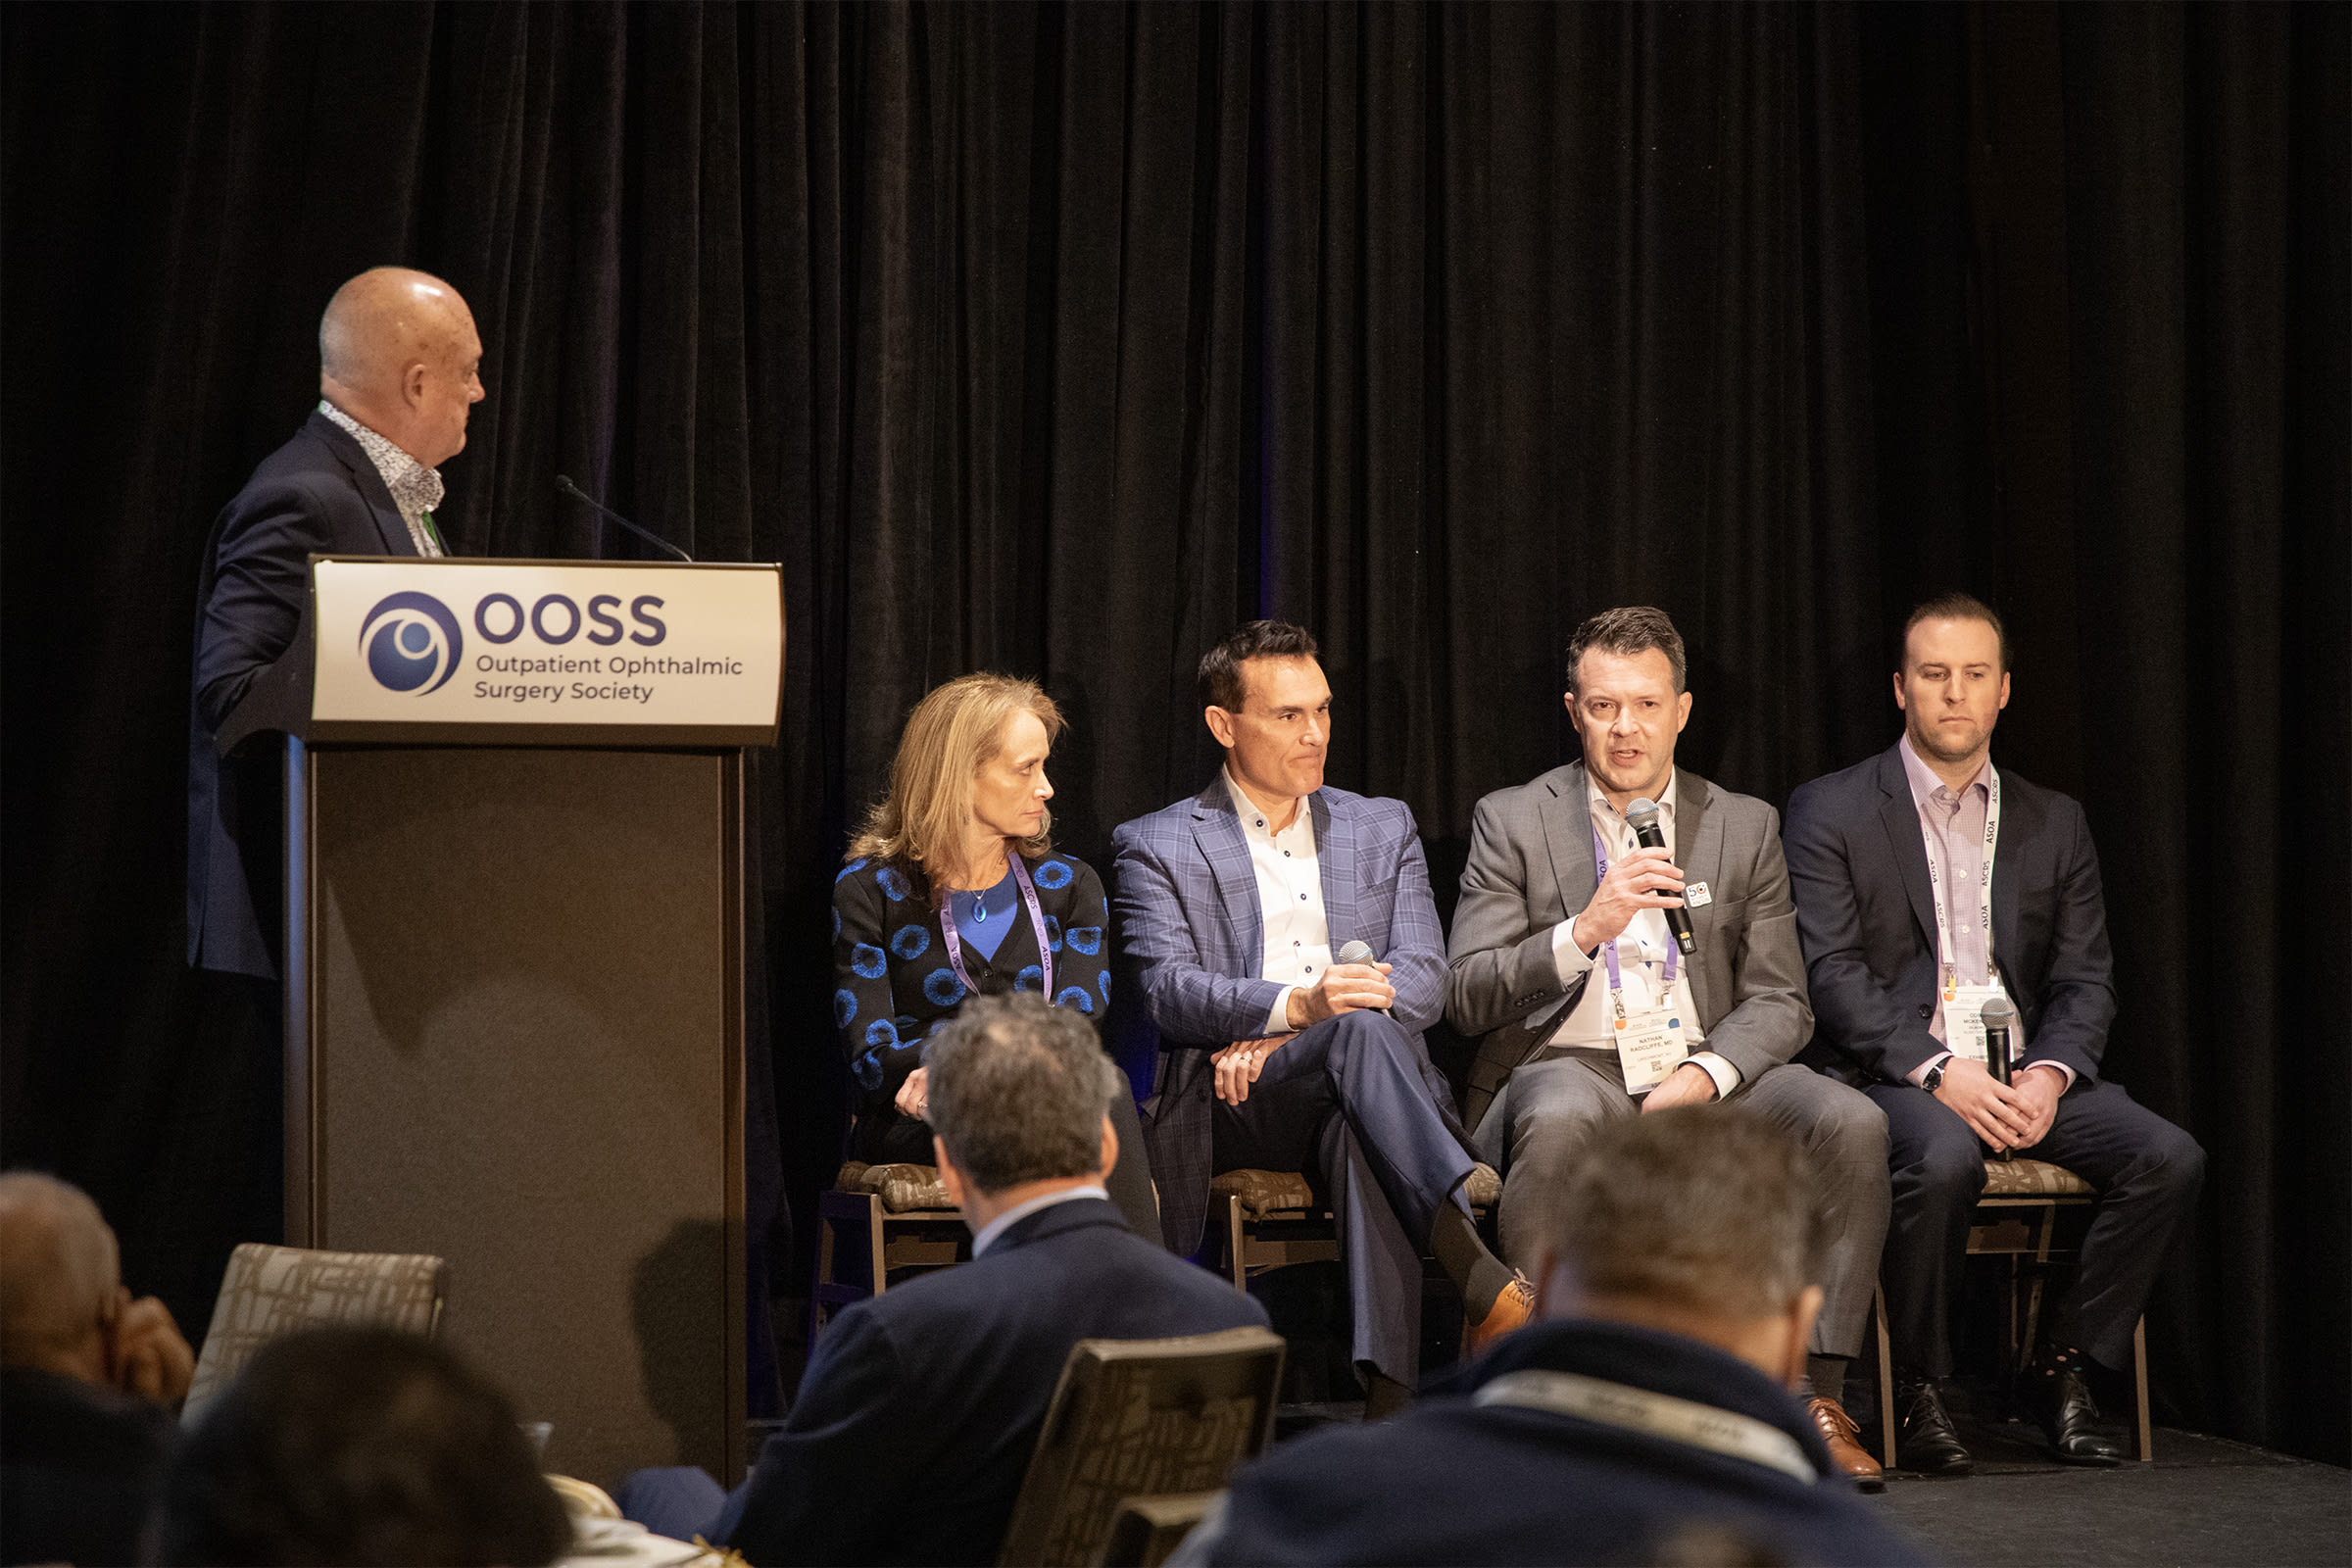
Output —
(399, 371)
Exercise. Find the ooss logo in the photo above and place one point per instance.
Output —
(412, 643)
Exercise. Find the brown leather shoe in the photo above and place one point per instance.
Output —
(1509, 1311)
(1848, 1457)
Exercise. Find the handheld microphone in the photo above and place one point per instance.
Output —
(1354, 952)
(565, 485)
(1643, 817)
(1999, 1017)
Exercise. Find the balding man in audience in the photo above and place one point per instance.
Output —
(399, 371)
(1648, 1407)
(88, 1380)
(921, 1406)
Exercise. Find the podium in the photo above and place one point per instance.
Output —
(514, 967)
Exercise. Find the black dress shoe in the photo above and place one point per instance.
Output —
(2063, 1404)
(1925, 1441)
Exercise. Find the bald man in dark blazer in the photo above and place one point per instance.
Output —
(399, 371)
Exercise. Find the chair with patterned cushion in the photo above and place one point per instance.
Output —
(879, 1220)
(1140, 1419)
(1270, 1219)
(2017, 1218)
(271, 1292)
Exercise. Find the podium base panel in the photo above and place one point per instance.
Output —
(522, 1050)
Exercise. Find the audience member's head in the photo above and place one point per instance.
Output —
(60, 1279)
(359, 1446)
(1702, 1221)
(1018, 1091)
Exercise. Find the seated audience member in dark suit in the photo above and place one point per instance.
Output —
(1648, 1406)
(399, 365)
(1276, 1053)
(359, 1446)
(921, 1406)
(1551, 959)
(1904, 933)
(962, 844)
(88, 1381)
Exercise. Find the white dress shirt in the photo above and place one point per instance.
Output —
(1641, 948)
(1290, 900)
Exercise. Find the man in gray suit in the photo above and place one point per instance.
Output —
(1563, 960)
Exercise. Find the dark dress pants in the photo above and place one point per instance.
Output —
(1346, 1102)
(906, 1140)
(2146, 1170)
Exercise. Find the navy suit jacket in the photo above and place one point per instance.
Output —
(316, 492)
(1450, 1481)
(1187, 906)
(921, 1406)
(1866, 916)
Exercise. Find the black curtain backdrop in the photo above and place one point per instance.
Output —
(1057, 340)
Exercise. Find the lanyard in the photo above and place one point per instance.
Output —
(1947, 952)
(1036, 923)
(1655, 1416)
(1601, 857)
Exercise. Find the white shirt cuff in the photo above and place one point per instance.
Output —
(1278, 1021)
(1566, 956)
(1920, 1072)
(1726, 1076)
(2055, 1066)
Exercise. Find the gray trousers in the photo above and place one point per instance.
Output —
(1547, 1108)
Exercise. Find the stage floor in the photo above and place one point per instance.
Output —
(2203, 1501)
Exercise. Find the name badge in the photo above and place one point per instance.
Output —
(1964, 1023)
(1696, 896)
(1650, 1045)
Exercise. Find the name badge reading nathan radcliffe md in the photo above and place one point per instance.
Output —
(1650, 1045)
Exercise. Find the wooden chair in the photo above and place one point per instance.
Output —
(271, 1292)
(2017, 1217)
(1140, 1419)
(878, 1219)
(1271, 1219)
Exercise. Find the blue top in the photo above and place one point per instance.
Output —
(983, 918)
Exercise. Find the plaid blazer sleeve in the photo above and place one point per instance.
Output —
(1392, 868)
(1173, 921)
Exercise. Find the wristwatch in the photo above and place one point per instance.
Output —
(1933, 1079)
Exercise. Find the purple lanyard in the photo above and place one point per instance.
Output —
(1601, 857)
(1036, 923)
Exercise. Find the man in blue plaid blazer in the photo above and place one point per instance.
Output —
(1276, 1053)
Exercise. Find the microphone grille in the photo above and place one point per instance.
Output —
(1997, 1012)
(1643, 813)
(1356, 953)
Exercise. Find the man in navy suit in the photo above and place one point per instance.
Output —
(399, 371)
(921, 1406)
(1646, 1418)
(1926, 882)
(1275, 1052)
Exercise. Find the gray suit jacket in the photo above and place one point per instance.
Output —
(1531, 867)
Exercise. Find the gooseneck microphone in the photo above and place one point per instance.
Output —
(565, 485)
(1355, 952)
(1643, 817)
(1999, 1018)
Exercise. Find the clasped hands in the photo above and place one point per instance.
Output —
(2005, 1115)
(1343, 988)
